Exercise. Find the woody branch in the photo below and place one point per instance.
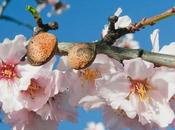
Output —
(120, 54)
(114, 34)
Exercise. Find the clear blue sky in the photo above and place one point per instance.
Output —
(84, 22)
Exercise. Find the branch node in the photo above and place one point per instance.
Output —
(40, 26)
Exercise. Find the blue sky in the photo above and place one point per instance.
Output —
(84, 22)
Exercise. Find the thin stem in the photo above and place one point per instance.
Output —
(152, 20)
(40, 26)
(3, 7)
(36, 15)
(10, 19)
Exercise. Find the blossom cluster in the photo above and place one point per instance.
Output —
(32, 97)
(133, 94)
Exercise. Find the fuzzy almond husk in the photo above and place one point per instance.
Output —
(41, 48)
(81, 56)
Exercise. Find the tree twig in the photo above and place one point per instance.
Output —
(152, 20)
(121, 54)
(40, 26)
(117, 53)
(10, 19)
(36, 16)
(111, 37)
(3, 6)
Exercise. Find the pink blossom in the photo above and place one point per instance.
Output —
(86, 78)
(37, 89)
(58, 108)
(11, 51)
(166, 49)
(141, 90)
(14, 73)
(28, 120)
(59, 82)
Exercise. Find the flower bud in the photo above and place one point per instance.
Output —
(41, 48)
(81, 56)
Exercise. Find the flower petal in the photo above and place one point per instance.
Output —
(155, 40)
(118, 12)
(168, 49)
(13, 50)
(91, 102)
(123, 22)
(163, 80)
(138, 69)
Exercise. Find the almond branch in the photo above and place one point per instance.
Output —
(117, 53)
(121, 54)
(111, 37)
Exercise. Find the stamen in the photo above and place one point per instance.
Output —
(141, 90)
(33, 89)
(90, 74)
(8, 71)
(139, 87)
(127, 98)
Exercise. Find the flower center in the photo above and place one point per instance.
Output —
(139, 87)
(7, 71)
(33, 89)
(90, 74)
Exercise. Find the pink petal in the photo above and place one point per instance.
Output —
(155, 40)
(168, 49)
(164, 81)
(137, 69)
(13, 51)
